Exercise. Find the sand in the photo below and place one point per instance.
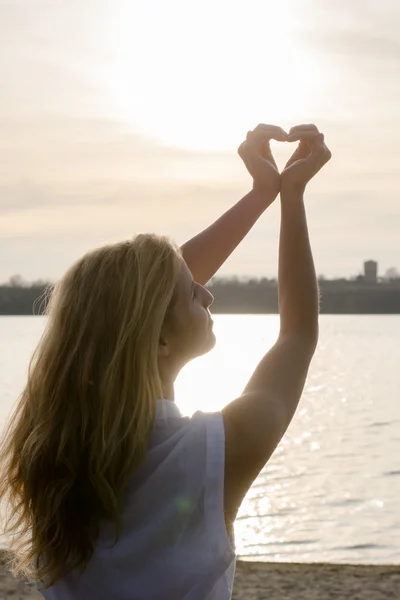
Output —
(279, 581)
(291, 581)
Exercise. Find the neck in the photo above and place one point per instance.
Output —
(168, 390)
(168, 373)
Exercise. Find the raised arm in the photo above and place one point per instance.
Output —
(206, 252)
(256, 421)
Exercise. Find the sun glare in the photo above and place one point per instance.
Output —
(200, 75)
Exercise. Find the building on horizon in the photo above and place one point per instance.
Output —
(371, 271)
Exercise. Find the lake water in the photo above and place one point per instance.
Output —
(331, 491)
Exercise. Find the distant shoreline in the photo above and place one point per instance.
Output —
(337, 297)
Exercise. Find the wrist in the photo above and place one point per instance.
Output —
(292, 189)
(264, 194)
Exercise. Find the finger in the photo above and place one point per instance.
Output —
(248, 153)
(243, 150)
(309, 127)
(272, 132)
(319, 155)
(258, 142)
(267, 153)
(303, 135)
(302, 151)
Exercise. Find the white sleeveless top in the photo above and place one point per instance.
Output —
(174, 544)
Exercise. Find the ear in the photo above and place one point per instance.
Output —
(163, 347)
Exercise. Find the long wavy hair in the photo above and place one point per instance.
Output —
(81, 426)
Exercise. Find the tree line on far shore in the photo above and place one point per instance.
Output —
(240, 295)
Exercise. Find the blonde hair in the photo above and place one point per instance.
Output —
(81, 425)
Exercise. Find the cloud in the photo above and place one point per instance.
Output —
(345, 227)
(62, 149)
(72, 178)
(361, 30)
(358, 44)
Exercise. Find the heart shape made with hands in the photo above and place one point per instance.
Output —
(282, 151)
(282, 143)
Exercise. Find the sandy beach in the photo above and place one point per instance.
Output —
(291, 581)
(279, 581)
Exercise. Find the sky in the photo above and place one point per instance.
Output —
(124, 116)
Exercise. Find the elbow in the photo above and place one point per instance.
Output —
(306, 337)
(314, 340)
(310, 340)
(311, 336)
(309, 332)
(314, 333)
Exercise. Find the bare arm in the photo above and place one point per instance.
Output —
(206, 252)
(256, 421)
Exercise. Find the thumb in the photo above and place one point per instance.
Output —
(316, 158)
(302, 151)
(267, 153)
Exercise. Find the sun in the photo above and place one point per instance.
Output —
(199, 76)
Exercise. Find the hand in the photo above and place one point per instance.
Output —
(256, 154)
(309, 157)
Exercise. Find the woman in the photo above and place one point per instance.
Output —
(113, 493)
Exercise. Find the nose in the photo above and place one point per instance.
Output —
(209, 298)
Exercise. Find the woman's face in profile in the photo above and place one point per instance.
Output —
(190, 330)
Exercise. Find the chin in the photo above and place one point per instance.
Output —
(202, 346)
(207, 345)
(212, 340)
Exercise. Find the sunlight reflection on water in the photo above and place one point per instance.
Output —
(330, 492)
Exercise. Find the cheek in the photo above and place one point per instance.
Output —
(200, 317)
(191, 329)
(195, 325)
